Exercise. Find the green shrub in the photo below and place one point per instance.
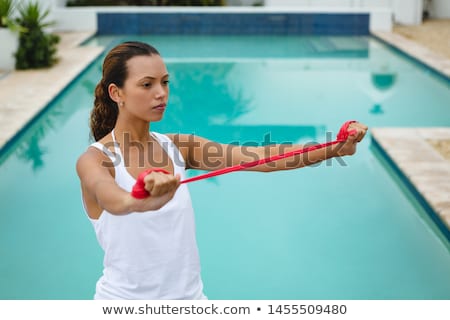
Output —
(7, 9)
(37, 49)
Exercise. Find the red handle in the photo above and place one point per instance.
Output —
(138, 190)
(343, 133)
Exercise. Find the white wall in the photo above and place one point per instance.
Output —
(75, 19)
(330, 3)
(408, 12)
(45, 5)
(440, 9)
(70, 18)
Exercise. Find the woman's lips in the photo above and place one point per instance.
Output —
(160, 107)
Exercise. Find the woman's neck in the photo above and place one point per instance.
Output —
(134, 132)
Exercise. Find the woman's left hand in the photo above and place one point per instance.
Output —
(348, 147)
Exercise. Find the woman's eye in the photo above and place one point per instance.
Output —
(147, 85)
(166, 82)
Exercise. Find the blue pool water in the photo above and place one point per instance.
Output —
(339, 230)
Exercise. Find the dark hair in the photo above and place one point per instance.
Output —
(105, 111)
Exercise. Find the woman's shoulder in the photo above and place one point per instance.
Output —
(91, 156)
(96, 153)
(103, 145)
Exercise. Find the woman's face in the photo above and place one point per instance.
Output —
(146, 90)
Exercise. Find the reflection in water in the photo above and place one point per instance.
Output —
(376, 109)
(28, 147)
(30, 151)
(380, 86)
(201, 95)
(206, 101)
(90, 81)
(383, 82)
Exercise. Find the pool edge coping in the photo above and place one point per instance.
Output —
(434, 61)
(28, 93)
(424, 170)
(425, 186)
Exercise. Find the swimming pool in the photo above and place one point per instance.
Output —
(332, 231)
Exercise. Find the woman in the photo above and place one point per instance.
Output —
(149, 243)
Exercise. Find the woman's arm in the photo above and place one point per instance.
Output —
(101, 192)
(204, 154)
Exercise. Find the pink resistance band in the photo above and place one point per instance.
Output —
(139, 191)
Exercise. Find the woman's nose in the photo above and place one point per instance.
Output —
(162, 91)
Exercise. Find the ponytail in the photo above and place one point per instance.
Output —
(105, 112)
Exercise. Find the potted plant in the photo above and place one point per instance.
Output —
(37, 49)
(9, 35)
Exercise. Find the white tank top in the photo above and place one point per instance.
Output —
(149, 255)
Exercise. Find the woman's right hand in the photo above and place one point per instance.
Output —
(161, 187)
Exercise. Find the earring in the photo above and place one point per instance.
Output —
(121, 104)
